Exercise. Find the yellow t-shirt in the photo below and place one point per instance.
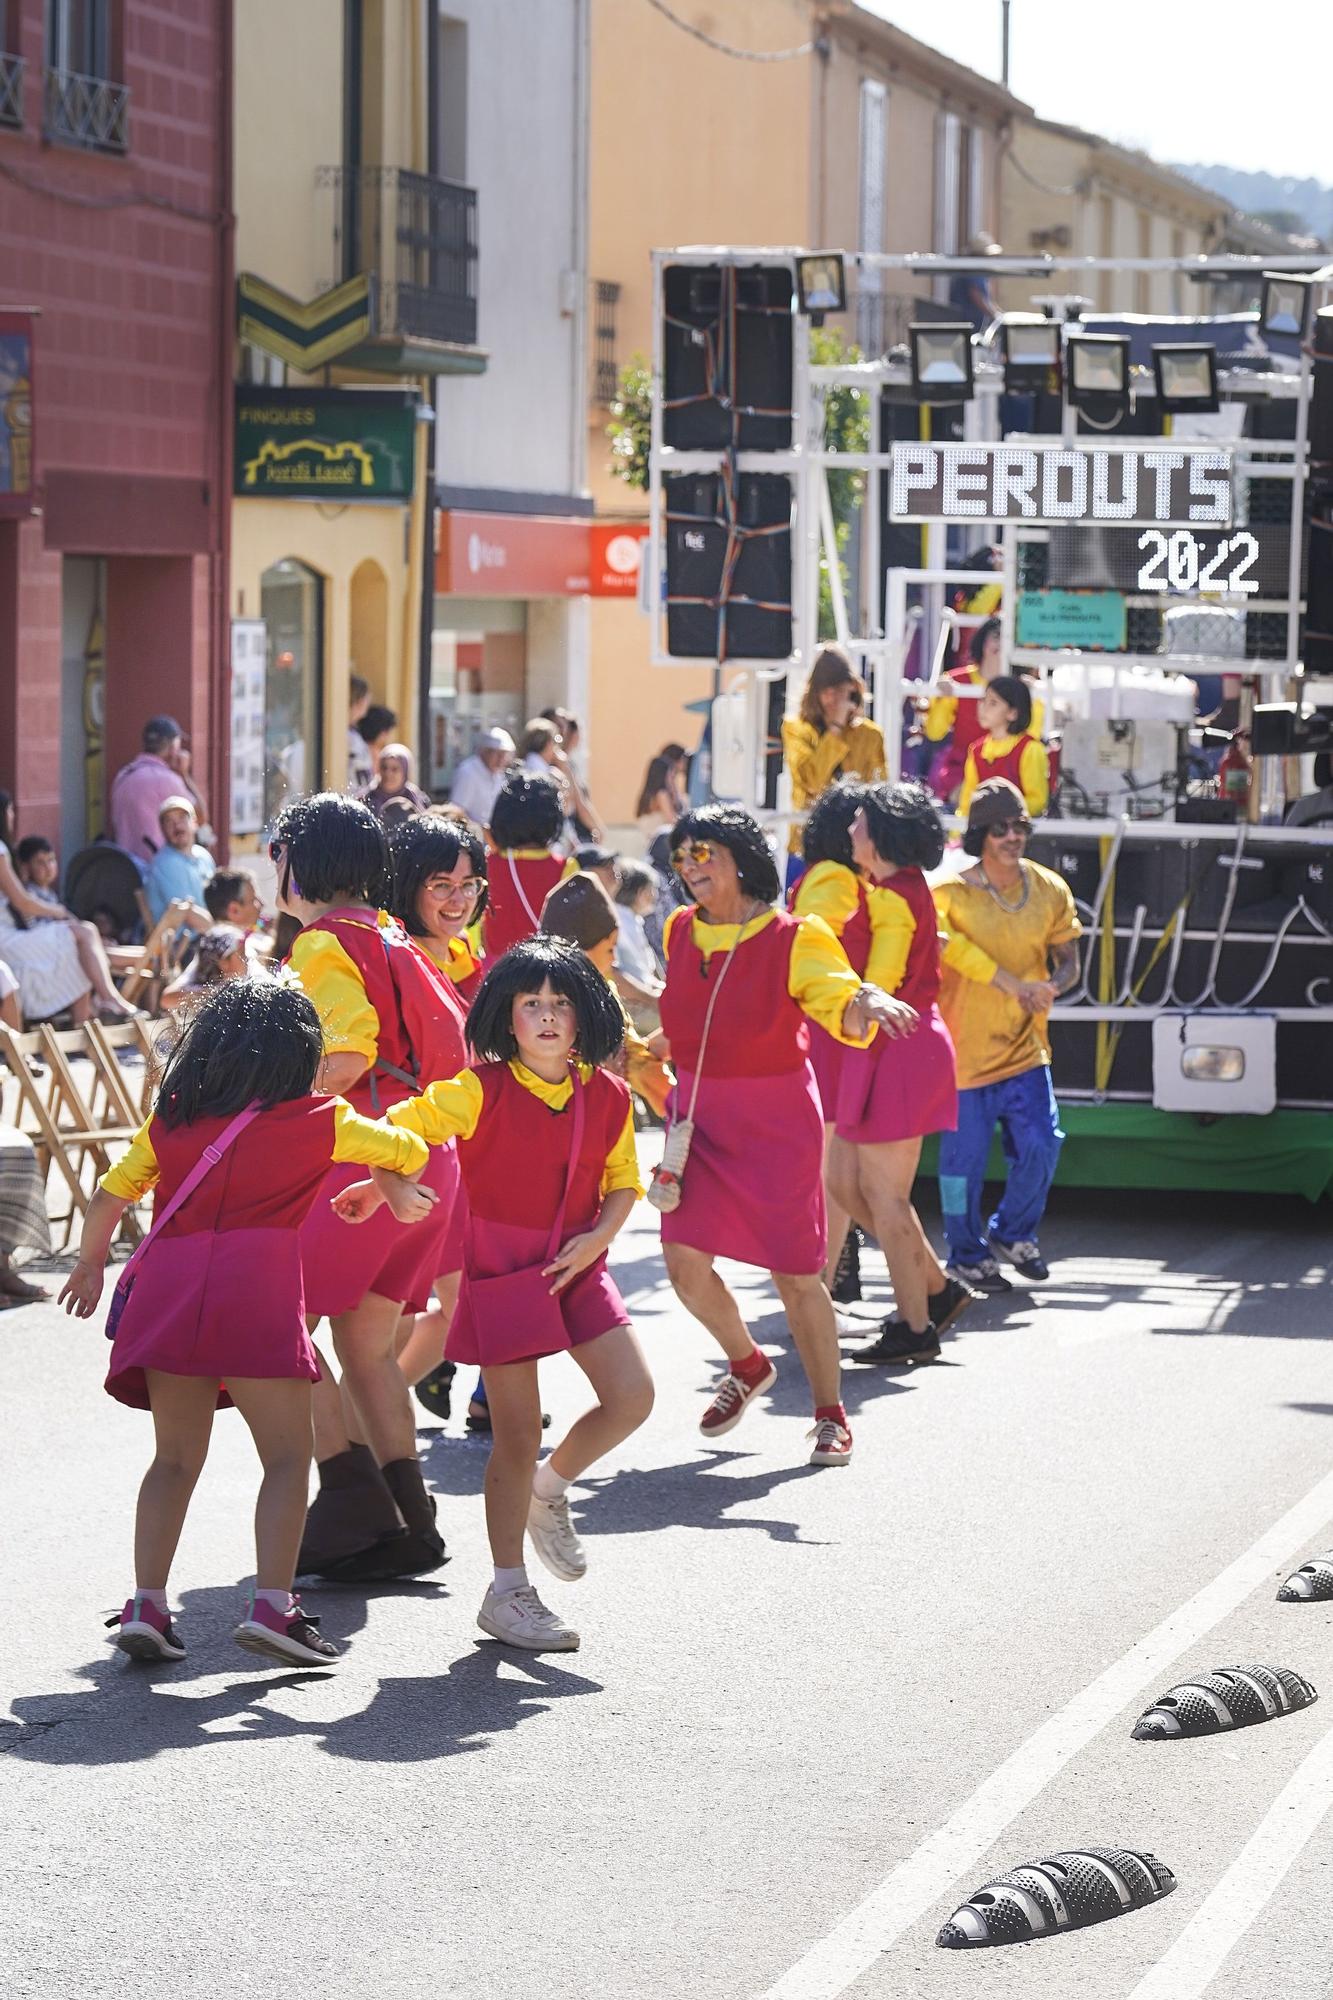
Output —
(1034, 771)
(819, 978)
(367, 1141)
(452, 1108)
(992, 1036)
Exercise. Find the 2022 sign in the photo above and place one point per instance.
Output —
(1185, 563)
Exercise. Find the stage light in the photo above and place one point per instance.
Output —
(941, 362)
(821, 285)
(1030, 345)
(1284, 304)
(1097, 371)
(1186, 377)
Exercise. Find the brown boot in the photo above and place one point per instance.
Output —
(403, 1479)
(352, 1516)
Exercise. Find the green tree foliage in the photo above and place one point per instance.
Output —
(630, 427)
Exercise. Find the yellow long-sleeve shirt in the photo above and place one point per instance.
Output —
(819, 978)
(328, 977)
(452, 1109)
(368, 1142)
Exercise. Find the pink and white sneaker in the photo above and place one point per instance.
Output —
(146, 1633)
(290, 1636)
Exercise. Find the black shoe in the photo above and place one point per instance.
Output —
(479, 1422)
(1025, 1257)
(846, 1287)
(948, 1305)
(432, 1391)
(897, 1342)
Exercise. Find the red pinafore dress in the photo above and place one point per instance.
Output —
(753, 1188)
(904, 1088)
(825, 1054)
(514, 1170)
(1009, 766)
(220, 1292)
(517, 886)
(420, 1034)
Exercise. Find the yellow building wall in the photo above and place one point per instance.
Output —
(289, 112)
(687, 146)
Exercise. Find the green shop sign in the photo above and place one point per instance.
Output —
(1090, 619)
(324, 444)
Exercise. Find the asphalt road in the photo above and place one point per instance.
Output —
(812, 1709)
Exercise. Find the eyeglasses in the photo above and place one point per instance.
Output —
(1001, 827)
(698, 852)
(466, 892)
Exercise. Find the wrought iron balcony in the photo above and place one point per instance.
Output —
(418, 235)
(11, 89)
(87, 111)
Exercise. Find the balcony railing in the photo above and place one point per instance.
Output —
(418, 234)
(11, 89)
(87, 111)
(605, 371)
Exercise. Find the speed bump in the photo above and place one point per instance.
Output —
(1058, 1892)
(1227, 1698)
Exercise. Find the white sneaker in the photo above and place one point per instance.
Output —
(554, 1538)
(519, 1618)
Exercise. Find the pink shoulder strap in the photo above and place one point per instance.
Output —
(207, 1160)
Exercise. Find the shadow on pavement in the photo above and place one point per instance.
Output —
(697, 1493)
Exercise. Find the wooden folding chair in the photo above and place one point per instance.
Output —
(129, 1092)
(88, 1114)
(36, 1117)
(162, 951)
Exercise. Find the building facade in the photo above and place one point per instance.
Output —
(357, 288)
(115, 282)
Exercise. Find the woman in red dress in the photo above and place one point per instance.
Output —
(527, 820)
(216, 1313)
(892, 1095)
(392, 1023)
(752, 1187)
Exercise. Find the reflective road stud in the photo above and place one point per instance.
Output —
(1228, 1698)
(1058, 1892)
(1311, 1583)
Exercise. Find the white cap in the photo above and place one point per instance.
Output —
(496, 739)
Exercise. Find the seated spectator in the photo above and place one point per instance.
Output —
(376, 727)
(182, 869)
(594, 859)
(580, 911)
(10, 1011)
(231, 898)
(38, 869)
(220, 956)
(395, 795)
(142, 787)
(477, 781)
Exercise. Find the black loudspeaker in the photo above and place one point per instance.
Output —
(1321, 405)
(727, 364)
(728, 566)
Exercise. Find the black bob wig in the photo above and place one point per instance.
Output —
(742, 836)
(828, 831)
(904, 825)
(1017, 695)
(527, 811)
(336, 851)
(424, 845)
(599, 1025)
(246, 1041)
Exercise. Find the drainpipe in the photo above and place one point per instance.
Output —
(426, 433)
(220, 455)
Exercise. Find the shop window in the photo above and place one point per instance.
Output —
(291, 597)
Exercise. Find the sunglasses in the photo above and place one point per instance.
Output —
(1002, 827)
(698, 852)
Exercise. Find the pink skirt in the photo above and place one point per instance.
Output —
(342, 1261)
(451, 1254)
(899, 1089)
(589, 1307)
(217, 1304)
(826, 1061)
(753, 1187)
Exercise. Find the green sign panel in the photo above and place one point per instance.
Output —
(324, 444)
(1091, 619)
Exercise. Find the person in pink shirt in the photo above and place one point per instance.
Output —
(142, 787)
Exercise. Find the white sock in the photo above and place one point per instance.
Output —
(507, 1580)
(547, 1483)
(157, 1598)
(279, 1600)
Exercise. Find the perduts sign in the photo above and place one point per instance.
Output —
(1152, 485)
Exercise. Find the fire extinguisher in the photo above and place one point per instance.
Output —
(1235, 773)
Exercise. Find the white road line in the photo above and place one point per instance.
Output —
(1227, 1912)
(910, 1889)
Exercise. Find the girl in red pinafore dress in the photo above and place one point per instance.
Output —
(439, 895)
(215, 1316)
(890, 1097)
(527, 819)
(832, 888)
(752, 1187)
(546, 1138)
(1005, 748)
(392, 1022)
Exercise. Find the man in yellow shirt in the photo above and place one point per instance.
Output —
(1012, 945)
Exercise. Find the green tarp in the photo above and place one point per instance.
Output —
(1133, 1146)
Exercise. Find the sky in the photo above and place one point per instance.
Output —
(1185, 80)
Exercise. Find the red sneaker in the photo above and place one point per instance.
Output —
(731, 1401)
(833, 1442)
